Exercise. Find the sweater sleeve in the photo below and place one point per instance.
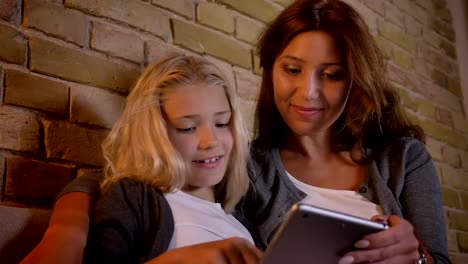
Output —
(130, 224)
(87, 183)
(421, 200)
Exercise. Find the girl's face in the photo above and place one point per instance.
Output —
(199, 126)
(310, 83)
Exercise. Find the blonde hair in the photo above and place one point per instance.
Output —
(138, 146)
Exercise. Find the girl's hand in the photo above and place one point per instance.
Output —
(397, 245)
(232, 250)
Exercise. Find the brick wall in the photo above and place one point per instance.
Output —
(66, 67)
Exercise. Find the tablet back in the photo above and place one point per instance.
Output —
(314, 235)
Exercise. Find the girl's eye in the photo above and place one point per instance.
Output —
(291, 70)
(186, 130)
(222, 125)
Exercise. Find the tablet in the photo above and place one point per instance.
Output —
(311, 234)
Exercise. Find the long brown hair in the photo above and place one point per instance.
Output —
(372, 117)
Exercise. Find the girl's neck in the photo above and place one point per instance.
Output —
(204, 193)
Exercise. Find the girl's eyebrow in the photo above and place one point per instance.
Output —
(196, 116)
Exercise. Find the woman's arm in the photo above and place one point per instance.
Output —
(65, 238)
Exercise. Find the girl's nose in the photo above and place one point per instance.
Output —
(207, 138)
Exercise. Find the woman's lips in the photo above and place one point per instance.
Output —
(307, 111)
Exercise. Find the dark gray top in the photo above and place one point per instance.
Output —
(132, 223)
(403, 180)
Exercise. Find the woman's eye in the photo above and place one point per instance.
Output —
(291, 70)
(333, 76)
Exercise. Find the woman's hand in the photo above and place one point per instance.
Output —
(232, 250)
(396, 245)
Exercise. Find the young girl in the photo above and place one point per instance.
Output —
(176, 166)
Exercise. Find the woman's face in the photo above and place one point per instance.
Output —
(310, 83)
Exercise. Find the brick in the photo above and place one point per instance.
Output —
(422, 68)
(26, 178)
(117, 43)
(454, 177)
(443, 134)
(247, 109)
(396, 35)
(402, 58)
(440, 61)
(256, 67)
(427, 5)
(377, 6)
(55, 20)
(158, 50)
(442, 28)
(464, 199)
(19, 130)
(435, 148)
(452, 156)
(454, 87)
(10, 11)
(443, 97)
(369, 15)
(417, 104)
(202, 40)
(394, 14)
(448, 48)
(185, 8)
(135, 13)
(70, 142)
(460, 122)
(412, 9)
(450, 198)
(458, 220)
(31, 91)
(248, 84)
(2, 173)
(404, 78)
(413, 27)
(459, 258)
(12, 45)
(444, 14)
(431, 38)
(284, 3)
(95, 106)
(248, 29)
(216, 16)
(53, 59)
(444, 117)
(385, 47)
(452, 240)
(439, 78)
(462, 239)
(260, 9)
(465, 160)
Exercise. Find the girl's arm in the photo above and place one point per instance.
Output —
(65, 238)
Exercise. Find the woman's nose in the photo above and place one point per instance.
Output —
(310, 87)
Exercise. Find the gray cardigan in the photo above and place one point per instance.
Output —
(132, 223)
(403, 180)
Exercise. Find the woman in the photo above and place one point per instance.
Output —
(330, 132)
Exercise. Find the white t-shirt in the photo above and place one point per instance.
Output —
(348, 202)
(198, 221)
